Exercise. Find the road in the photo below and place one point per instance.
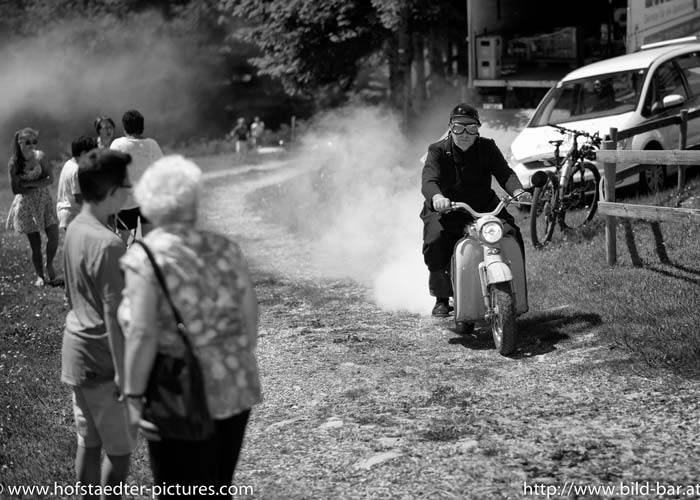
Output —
(361, 402)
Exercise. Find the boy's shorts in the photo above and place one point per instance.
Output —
(102, 420)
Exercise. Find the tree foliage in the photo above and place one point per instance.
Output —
(315, 50)
(312, 45)
(308, 44)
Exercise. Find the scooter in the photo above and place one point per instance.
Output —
(488, 277)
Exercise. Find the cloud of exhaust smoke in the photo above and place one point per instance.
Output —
(361, 205)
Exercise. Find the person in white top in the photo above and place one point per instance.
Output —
(257, 128)
(144, 151)
(69, 199)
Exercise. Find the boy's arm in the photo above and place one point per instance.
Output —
(111, 282)
(116, 345)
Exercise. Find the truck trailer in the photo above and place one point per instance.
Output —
(519, 49)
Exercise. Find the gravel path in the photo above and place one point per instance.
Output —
(361, 403)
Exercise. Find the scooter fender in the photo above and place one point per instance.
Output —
(496, 271)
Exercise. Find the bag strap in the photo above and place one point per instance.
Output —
(161, 280)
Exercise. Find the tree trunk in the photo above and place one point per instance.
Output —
(437, 61)
(405, 56)
(395, 77)
(421, 93)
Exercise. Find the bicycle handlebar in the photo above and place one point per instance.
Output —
(595, 138)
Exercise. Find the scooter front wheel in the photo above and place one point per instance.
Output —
(503, 325)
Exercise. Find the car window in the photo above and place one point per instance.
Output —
(592, 97)
(690, 65)
(666, 81)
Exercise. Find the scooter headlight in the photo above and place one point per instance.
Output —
(491, 232)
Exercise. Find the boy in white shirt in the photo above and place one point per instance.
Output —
(69, 200)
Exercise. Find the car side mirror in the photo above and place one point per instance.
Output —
(673, 100)
(539, 179)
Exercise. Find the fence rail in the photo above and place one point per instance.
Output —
(611, 158)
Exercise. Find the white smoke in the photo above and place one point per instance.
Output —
(367, 189)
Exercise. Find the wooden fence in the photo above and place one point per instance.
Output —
(612, 158)
(681, 119)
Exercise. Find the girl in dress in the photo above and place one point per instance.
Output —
(33, 208)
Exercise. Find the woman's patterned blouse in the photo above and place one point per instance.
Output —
(201, 270)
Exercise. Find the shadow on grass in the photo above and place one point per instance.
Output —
(660, 248)
(537, 333)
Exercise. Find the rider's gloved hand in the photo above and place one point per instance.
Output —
(440, 203)
(524, 196)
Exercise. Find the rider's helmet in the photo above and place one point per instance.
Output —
(464, 110)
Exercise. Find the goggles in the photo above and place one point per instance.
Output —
(460, 128)
(29, 142)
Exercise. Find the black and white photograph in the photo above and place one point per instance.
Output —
(350, 249)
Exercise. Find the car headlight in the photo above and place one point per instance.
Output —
(491, 232)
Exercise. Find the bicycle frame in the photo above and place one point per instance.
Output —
(564, 193)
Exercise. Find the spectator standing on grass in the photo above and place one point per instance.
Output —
(257, 129)
(240, 136)
(69, 200)
(209, 283)
(33, 209)
(93, 345)
(104, 127)
(143, 151)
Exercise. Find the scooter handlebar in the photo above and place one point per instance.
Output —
(458, 205)
(505, 201)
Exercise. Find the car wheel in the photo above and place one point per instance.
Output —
(652, 179)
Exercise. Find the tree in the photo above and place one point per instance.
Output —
(318, 46)
(309, 45)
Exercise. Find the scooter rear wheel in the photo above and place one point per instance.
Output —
(503, 325)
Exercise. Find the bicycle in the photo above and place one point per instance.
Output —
(570, 194)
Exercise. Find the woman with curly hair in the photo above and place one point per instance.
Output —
(209, 283)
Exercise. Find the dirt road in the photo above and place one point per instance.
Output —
(362, 403)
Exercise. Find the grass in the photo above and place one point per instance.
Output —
(601, 388)
(648, 303)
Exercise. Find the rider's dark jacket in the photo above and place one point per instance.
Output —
(465, 175)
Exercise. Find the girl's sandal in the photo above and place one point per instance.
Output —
(39, 282)
(56, 282)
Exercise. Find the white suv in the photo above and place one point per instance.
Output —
(621, 92)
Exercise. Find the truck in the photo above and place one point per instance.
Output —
(519, 49)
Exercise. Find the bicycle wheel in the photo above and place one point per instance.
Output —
(542, 215)
(580, 199)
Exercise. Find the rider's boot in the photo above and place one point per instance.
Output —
(441, 287)
(442, 307)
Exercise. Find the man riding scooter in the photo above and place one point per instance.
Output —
(459, 168)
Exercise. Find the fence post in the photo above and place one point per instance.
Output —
(610, 220)
(682, 144)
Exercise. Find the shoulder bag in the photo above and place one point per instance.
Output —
(175, 400)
